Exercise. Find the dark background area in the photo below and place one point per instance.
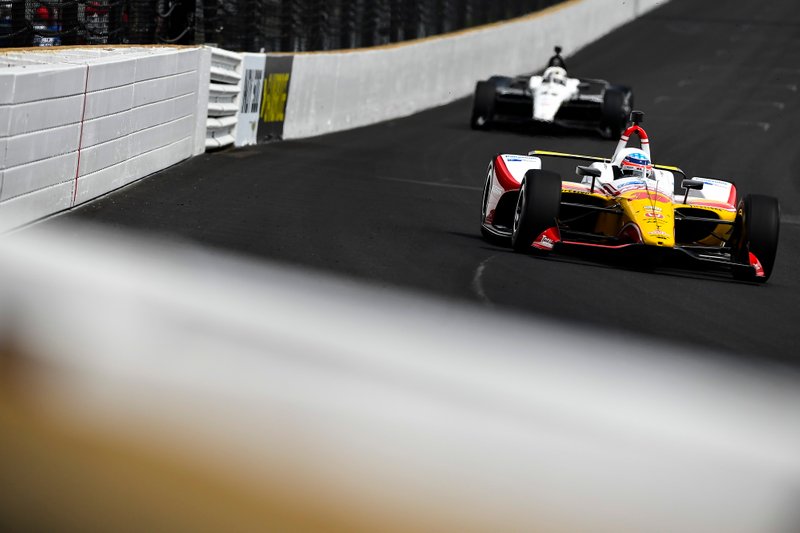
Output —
(247, 25)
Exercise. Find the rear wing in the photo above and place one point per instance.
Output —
(593, 158)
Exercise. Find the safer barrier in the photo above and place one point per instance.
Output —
(223, 97)
(76, 123)
(234, 98)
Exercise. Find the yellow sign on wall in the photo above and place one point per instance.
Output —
(274, 96)
(273, 101)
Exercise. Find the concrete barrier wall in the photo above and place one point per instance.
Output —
(338, 91)
(76, 123)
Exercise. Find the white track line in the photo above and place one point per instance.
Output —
(789, 86)
(431, 183)
(763, 103)
(760, 68)
(477, 282)
(764, 126)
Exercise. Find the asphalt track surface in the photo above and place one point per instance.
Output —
(398, 203)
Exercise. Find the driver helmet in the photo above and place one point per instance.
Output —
(635, 163)
(555, 74)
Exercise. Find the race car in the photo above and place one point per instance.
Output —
(552, 98)
(628, 203)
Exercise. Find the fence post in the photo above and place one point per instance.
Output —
(20, 28)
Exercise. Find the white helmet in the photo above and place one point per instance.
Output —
(556, 74)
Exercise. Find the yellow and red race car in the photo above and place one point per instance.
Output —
(627, 202)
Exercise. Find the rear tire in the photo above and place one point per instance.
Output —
(537, 208)
(483, 105)
(501, 81)
(617, 105)
(758, 230)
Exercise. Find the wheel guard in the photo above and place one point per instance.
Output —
(547, 239)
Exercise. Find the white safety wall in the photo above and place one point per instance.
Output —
(338, 91)
(76, 123)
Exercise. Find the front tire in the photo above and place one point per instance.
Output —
(537, 208)
(758, 231)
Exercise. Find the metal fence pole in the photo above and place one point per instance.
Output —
(289, 23)
(116, 29)
(20, 30)
(70, 25)
(141, 22)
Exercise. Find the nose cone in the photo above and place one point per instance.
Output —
(656, 221)
(546, 105)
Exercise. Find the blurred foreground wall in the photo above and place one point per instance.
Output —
(155, 386)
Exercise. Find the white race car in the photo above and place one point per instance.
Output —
(553, 98)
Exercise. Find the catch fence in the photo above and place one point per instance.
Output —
(247, 25)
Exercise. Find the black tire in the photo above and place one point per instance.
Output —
(628, 92)
(617, 105)
(758, 229)
(501, 81)
(537, 208)
(483, 105)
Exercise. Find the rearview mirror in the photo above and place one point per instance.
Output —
(589, 171)
(692, 184)
(689, 185)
